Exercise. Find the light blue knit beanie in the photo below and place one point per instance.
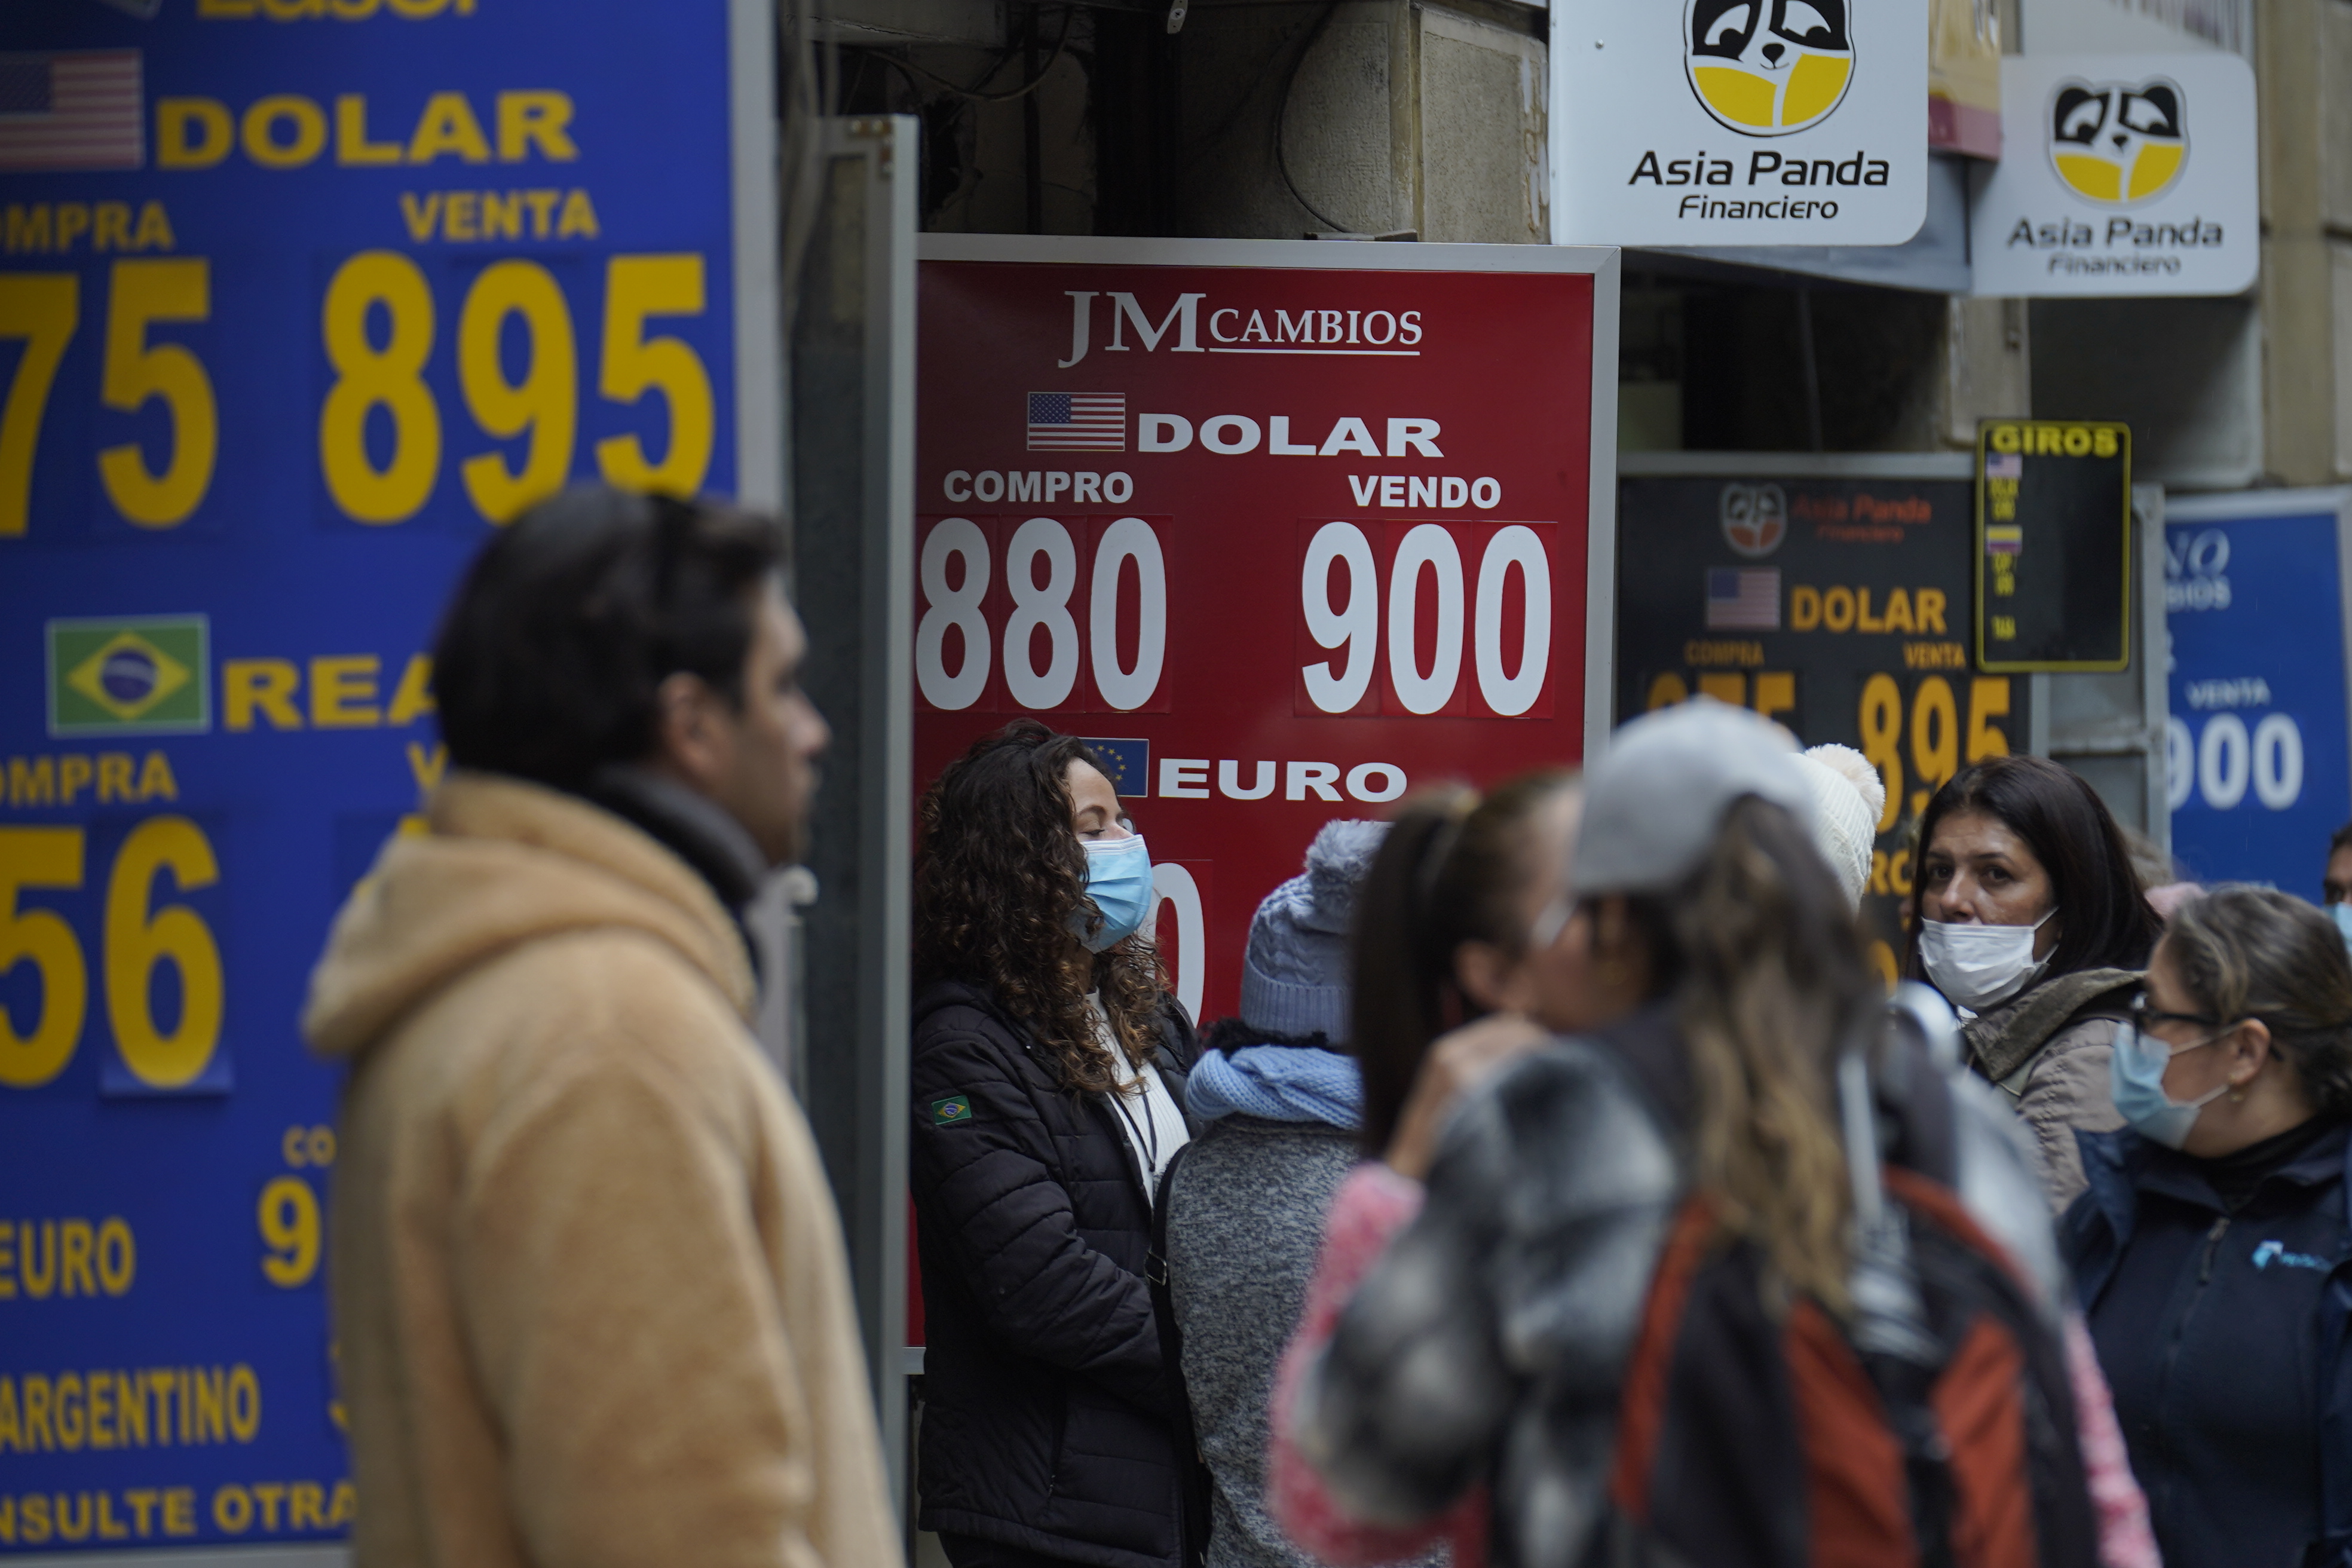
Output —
(1295, 974)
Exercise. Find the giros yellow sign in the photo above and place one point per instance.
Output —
(1765, 67)
(2118, 142)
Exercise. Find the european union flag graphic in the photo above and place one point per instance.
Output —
(1127, 763)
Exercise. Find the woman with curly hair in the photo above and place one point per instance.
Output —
(1049, 1067)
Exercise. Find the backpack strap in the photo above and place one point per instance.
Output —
(1642, 1405)
(1192, 1470)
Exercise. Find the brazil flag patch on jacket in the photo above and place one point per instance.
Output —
(954, 1108)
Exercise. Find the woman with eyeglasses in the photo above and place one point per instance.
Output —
(1048, 1079)
(2211, 1251)
(1460, 965)
(2031, 921)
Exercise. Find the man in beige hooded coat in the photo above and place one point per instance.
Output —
(587, 1276)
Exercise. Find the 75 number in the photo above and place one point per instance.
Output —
(44, 310)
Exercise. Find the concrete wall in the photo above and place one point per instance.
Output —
(1391, 117)
(2304, 56)
(1394, 116)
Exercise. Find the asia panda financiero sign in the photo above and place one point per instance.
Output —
(2121, 174)
(1739, 122)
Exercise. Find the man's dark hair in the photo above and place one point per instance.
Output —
(2343, 837)
(567, 623)
(2105, 921)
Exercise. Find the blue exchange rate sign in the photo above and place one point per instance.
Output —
(2257, 747)
(298, 301)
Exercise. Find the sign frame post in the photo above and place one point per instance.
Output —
(854, 425)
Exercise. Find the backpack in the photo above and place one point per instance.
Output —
(1935, 1428)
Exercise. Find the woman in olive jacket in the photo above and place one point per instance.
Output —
(2032, 922)
(1048, 1077)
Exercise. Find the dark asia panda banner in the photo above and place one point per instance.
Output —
(1285, 529)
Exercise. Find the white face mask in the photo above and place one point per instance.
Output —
(1976, 966)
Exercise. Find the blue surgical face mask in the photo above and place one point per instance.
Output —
(2342, 915)
(1119, 880)
(2136, 1079)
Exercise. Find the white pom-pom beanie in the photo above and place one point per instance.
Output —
(1848, 798)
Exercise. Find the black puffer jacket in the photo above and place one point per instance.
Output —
(1047, 1404)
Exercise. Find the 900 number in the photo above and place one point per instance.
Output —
(1428, 558)
(2225, 760)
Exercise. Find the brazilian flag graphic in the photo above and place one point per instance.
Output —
(140, 675)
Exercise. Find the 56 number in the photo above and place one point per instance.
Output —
(139, 934)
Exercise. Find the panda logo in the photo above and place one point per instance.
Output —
(2116, 142)
(1766, 67)
(1755, 519)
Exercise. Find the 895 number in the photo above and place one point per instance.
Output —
(382, 367)
(1934, 733)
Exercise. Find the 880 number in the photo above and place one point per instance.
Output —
(961, 604)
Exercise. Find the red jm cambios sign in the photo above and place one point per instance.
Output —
(1286, 530)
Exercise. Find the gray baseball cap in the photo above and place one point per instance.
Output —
(1654, 802)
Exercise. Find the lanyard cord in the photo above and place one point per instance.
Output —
(1146, 1137)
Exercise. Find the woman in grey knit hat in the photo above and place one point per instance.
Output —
(1243, 1205)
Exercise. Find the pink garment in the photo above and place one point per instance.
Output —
(1371, 1206)
(2124, 1539)
(1375, 1202)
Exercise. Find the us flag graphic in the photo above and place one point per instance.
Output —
(1077, 422)
(77, 110)
(1743, 599)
